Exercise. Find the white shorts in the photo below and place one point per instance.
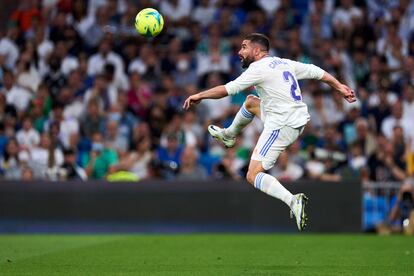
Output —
(272, 142)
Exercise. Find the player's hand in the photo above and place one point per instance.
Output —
(192, 100)
(347, 93)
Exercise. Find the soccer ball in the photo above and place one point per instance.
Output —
(149, 22)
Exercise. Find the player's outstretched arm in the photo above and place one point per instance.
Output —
(346, 92)
(217, 92)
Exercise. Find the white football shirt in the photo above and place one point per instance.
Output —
(276, 82)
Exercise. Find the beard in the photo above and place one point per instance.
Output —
(245, 62)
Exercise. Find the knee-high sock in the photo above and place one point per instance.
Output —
(242, 119)
(271, 186)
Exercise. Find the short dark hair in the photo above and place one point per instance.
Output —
(260, 39)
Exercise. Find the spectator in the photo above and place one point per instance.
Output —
(6, 109)
(27, 137)
(317, 26)
(286, 170)
(71, 170)
(10, 165)
(54, 79)
(382, 110)
(364, 137)
(204, 13)
(27, 69)
(213, 53)
(395, 119)
(102, 92)
(95, 29)
(404, 206)
(17, 96)
(93, 121)
(103, 160)
(9, 51)
(408, 102)
(46, 158)
(228, 167)
(343, 16)
(66, 126)
(189, 169)
(139, 96)
(27, 174)
(114, 138)
(105, 55)
(138, 161)
(169, 156)
(381, 163)
(176, 10)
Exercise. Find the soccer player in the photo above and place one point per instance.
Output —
(280, 107)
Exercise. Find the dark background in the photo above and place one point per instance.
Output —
(172, 206)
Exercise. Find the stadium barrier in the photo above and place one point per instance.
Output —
(174, 206)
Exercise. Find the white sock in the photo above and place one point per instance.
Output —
(271, 186)
(242, 119)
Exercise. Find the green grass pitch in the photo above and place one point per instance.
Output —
(206, 254)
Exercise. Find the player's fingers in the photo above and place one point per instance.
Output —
(350, 99)
(186, 104)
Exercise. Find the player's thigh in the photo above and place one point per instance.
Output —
(252, 105)
(272, 143)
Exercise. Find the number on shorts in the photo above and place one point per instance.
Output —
(289, 77)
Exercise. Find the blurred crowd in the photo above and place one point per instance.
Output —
(82, 96)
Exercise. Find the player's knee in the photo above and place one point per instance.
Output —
(251, 102)
(250, 176)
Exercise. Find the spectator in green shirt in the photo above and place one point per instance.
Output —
(102, 160)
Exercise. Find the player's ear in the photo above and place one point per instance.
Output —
(255, 50)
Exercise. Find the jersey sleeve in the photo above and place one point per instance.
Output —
(248, 78)
(305, 71)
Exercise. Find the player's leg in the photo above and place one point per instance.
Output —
(249, 109)
(263, 158)
(267, 183)
(268, 148)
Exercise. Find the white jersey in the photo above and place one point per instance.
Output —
(276, 82)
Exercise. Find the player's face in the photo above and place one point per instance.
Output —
(246, 53)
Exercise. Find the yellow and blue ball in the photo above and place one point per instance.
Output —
(149, 22)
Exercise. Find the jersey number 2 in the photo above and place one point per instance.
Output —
(290, 78)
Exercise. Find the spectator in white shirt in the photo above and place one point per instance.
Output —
(213, 53)
(68, 62)
(45, 156)
(67, 126)
(9, 52)
(28, 137)
(342, 17)
(105, 94)
(27, 71)
(17, 96)
(396, 119)
(81, 20)
(408, 102)
(44, 48)
(105, 55)
(204, 13)
(176, 10)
